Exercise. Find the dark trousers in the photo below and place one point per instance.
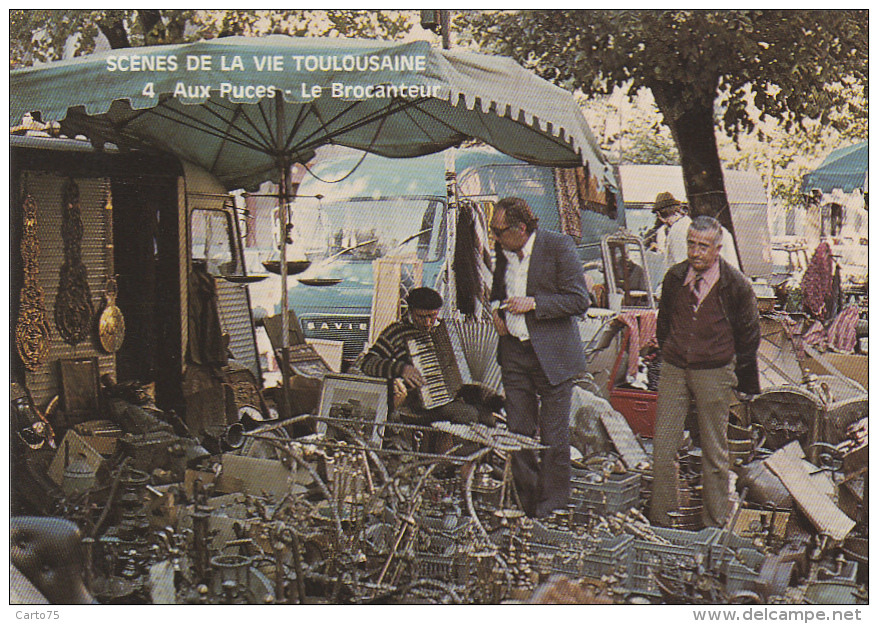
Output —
(532, 403)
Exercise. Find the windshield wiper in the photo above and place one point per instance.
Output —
(345, 250)
(405, 240)
(329, 259)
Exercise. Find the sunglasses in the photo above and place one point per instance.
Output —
(499, 231)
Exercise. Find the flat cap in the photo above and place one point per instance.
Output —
(424, 299)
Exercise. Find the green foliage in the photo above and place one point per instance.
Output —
(631, 132)
(795, 67)
(783, 157)
(783, 61)
(47, 35)
(41, 35)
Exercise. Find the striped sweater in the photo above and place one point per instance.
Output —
(390, 354)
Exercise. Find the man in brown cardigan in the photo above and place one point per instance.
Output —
(708, 332)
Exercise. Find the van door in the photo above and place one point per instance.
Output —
(214, 244)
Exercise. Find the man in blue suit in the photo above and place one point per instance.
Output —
(538, 288)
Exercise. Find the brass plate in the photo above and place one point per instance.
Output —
(111, 328)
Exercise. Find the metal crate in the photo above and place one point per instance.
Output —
(740, 562)
(433, 524)
(734, 543)
(603, 496)
(564, 552)
(437, 551)
(435, 538)
(685, 550)
(596, 559)
(556, 538)
(450, 569)
(740, 577)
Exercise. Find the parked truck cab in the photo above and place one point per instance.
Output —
(352, 209)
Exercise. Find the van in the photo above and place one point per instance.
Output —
(746, 196)
(353, 209)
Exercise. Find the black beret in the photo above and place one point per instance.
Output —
(424, 299)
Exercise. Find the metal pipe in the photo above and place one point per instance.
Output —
(406, 522)
(458, 459)
(368, 472)
(277, 425)
(297, 566)
(200, 529)
(445, 28)
(282, 199)
(277, 551)
(468, 493)
(112, 495)
(452, 215)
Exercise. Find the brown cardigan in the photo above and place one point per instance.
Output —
(738, 302)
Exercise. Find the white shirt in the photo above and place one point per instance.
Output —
(675, 244)
(516, 286)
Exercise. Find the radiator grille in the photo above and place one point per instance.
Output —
(352, 329)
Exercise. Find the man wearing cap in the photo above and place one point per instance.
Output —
(708, 333)
(538, 289)
(389, 358)
(671, 237)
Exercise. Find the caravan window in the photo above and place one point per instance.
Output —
(626, 272)
(212, 233)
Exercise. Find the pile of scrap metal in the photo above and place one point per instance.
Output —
(127, 510)
(800, 530)
(798, 533)
(134, 509)
(798, 450)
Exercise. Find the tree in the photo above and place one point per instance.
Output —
(47, 35)
(630, 131)
(784, 64)
(783, 156)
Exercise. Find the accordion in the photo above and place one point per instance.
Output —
(433, 355)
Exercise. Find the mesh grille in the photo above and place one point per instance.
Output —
(353, 330)
(46, 190)
(234, 310)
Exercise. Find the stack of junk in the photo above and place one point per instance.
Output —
(343, 500)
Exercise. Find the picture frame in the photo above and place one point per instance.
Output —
(80, 386)
(354, 396)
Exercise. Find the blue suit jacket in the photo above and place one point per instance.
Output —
(555, 280)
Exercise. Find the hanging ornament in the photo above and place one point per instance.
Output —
(73, 307)
(111, 324)
(32, 329)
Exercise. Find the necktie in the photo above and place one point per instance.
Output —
(696, 285)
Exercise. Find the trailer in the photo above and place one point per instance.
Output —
(150, 235)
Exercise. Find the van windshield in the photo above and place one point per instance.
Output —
(365, 229)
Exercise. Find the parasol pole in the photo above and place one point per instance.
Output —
(451, 197)
(283, 163)
(451, 192)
